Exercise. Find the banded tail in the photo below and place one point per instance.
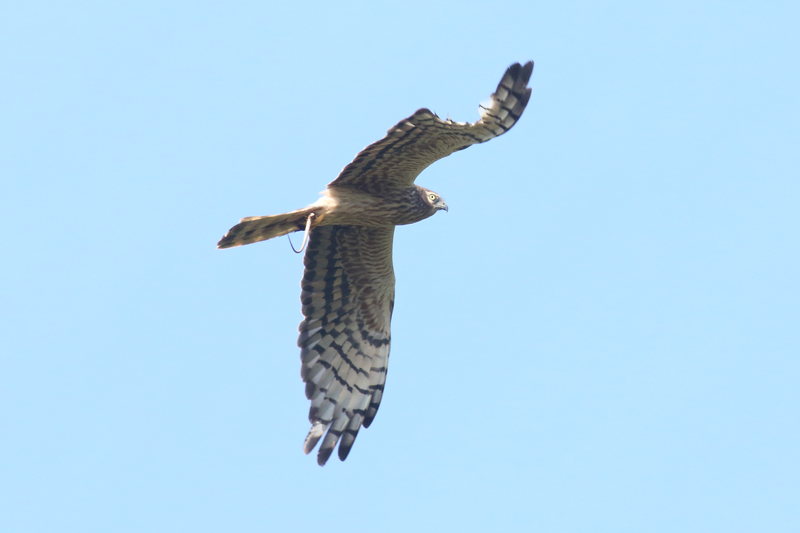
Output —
(255, 229)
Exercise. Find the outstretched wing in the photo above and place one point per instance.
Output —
(423, 138)
(347, 297)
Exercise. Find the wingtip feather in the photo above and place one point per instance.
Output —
(317, 430)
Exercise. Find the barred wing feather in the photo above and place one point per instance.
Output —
(347, 298)
(416, 142)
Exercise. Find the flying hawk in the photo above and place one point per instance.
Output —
(348, 283)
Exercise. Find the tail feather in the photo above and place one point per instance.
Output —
(255, 229)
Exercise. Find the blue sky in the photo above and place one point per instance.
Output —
(601, 335)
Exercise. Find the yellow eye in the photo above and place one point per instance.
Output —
(432, 197)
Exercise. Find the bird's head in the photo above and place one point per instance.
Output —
(433, 199)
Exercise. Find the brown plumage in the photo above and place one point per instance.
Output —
(348, 284)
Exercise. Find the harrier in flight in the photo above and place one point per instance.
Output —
(348, 284)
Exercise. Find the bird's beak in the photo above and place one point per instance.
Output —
(445, 206)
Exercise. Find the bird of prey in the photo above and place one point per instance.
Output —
(348, 284)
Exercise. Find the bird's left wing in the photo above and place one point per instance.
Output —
(423, 138)
(348, 297)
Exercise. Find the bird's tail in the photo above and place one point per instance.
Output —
(255, 229)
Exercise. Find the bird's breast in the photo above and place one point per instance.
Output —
(348, 207)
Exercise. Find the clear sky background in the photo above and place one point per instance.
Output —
(601, 335)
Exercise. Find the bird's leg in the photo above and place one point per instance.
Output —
(305, 234)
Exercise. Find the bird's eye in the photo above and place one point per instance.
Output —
(432, 197)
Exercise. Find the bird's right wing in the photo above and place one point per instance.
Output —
(348, 297)
(423, 138)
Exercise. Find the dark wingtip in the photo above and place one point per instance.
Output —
(526, 96)
(344, 451)
(370, 416)
(311, 387)
(527, 70)
(323, 455)
(521, 72)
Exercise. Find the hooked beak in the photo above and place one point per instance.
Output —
(443, 207)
